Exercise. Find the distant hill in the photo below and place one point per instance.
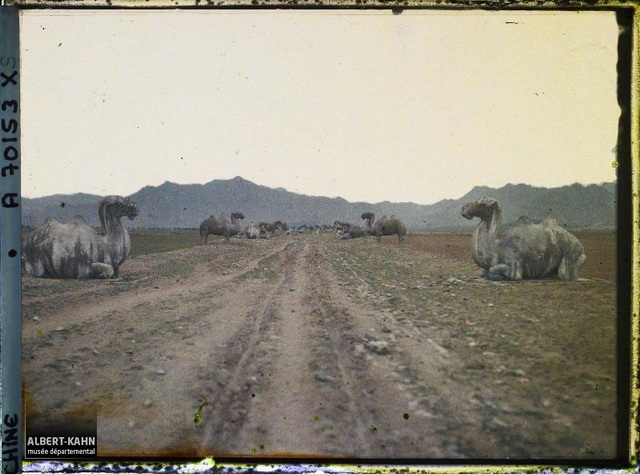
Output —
(173, 205)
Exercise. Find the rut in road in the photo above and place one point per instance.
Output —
(275, 402)
(311, 346)
(135, 349)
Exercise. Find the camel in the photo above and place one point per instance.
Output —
(76, 250)
(267, 229)
(346, 230)
(270, 226)
(385, 226)
(352, 231)
(220, 225)
(252, 231)
(525, 251)
(339, 227)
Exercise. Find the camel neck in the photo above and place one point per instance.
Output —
(112, 225)
(494, 223)
(485, 240)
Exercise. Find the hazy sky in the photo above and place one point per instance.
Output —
(366, 105)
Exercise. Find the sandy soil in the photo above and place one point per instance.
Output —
(310, 346)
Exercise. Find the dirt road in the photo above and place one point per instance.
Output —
(307, 345)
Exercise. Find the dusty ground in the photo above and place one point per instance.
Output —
(308, 345)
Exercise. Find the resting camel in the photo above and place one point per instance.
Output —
(267, 229)
(220, 225)
(525, 251)
(76, 250)
(252, 231)
(270, 226)
(339, 227)
(385, 226)
(346, 230)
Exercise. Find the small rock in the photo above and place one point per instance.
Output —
(36, 318)
(497, 423)
(358, 350)
(59, 328)
(147, 402)
(160, 372)
(78, 384)
(378, 347)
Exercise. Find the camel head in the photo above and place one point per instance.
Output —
(120, 206)
(484, 208)
(369, 217)
(235, 216)
(112, 208)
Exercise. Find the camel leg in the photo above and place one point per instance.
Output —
(37, 270)
(103, 270)
(26, 267)
(568, 270)
(504, 271)
(564, 272)
(496, 273)
(516, 269)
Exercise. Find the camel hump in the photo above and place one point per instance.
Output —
(523, 220)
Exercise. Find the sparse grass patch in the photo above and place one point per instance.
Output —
(161, 240)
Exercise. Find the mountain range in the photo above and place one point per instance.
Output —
(177, 206)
